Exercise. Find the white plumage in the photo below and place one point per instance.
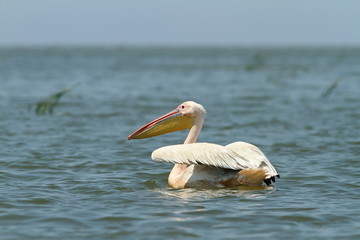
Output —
(254, 155)
(205, 164)
(235, 156)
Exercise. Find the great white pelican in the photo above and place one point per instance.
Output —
(205, 164)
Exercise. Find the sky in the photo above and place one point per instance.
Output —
(180, 22)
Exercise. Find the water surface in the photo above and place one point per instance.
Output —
(74, 175)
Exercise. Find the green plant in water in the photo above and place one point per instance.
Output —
(331, 88)
(48, 103)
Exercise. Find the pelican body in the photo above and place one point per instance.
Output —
(205, 164)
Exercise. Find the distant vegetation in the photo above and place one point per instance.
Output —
(47, 104)
(331, 88)
(334, 84)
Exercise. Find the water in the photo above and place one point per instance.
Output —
(74, 174)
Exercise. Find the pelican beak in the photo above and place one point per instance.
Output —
(171, 122)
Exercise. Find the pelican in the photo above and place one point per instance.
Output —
(200, 165)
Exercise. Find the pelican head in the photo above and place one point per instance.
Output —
(182, 117)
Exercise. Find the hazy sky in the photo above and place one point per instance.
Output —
(180, 22)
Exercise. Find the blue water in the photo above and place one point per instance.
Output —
(74, 175)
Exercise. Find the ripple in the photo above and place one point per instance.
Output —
(16, 217)
(38, 201)
(117, 219)
(151, 184)
(63, 221)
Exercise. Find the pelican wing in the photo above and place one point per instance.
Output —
(254, 155)
(202, 154)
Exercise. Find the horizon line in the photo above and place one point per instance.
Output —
(172, 45)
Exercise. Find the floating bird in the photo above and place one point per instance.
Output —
(205, 164)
